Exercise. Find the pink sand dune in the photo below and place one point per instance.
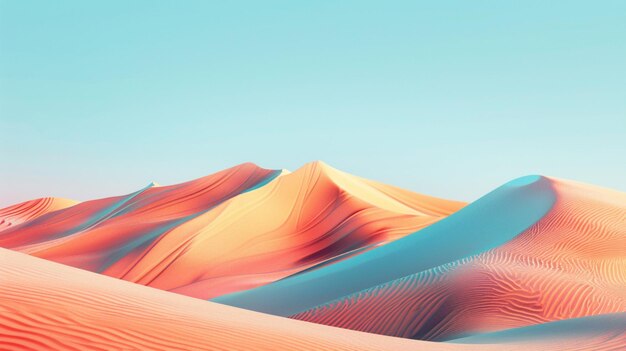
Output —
(571, 263)
(48, 306)
(29, 210)
(233, 230)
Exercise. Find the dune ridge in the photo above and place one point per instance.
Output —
(571, 263)
(484, 224)
(29, 210)
(537, 264)
(234, 230)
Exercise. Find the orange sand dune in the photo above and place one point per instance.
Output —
(44, 305)
(571, 263)
(136, 215)
(29, 210)
(237, 229)
(48, 306)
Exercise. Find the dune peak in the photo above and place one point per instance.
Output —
(525, 180)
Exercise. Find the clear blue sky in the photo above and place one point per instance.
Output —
(449, 98)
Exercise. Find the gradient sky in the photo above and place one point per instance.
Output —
(448, 98)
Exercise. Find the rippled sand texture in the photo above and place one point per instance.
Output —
(233, 230)
(570, 263)
(29, 210)
(48, 306)
(537, 264)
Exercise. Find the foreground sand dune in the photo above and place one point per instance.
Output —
(48, 306)
(236, 229)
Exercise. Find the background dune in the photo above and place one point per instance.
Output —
(29, 210)
(484, 224)
(236, 229)
(571, 263)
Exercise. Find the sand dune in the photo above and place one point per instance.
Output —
(485, 224)
(146, 209)
(48, 306)
(234, 230)
(537, 264)
(605, 332)
(571, 263)
(29, 210)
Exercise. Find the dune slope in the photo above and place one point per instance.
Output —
(571, 263)
(48, 306)
(234, 230)
(487, 223)
(606, 332)
(29, 210)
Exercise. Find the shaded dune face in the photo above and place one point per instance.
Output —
(234, 230)
(29, 210)
(92, 234)
(487, 223)
(48, 306)
(537, 264)
(571, 263)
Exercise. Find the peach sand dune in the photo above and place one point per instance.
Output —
(233, 230)
(537, 264)
(570, 263)
(49, 306)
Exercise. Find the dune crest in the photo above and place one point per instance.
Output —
(569, 264)
(234, 230)
(29, 210)
(484, 224)
(536, 264)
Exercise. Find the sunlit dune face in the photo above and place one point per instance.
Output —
(230, 231)
(534, 251)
